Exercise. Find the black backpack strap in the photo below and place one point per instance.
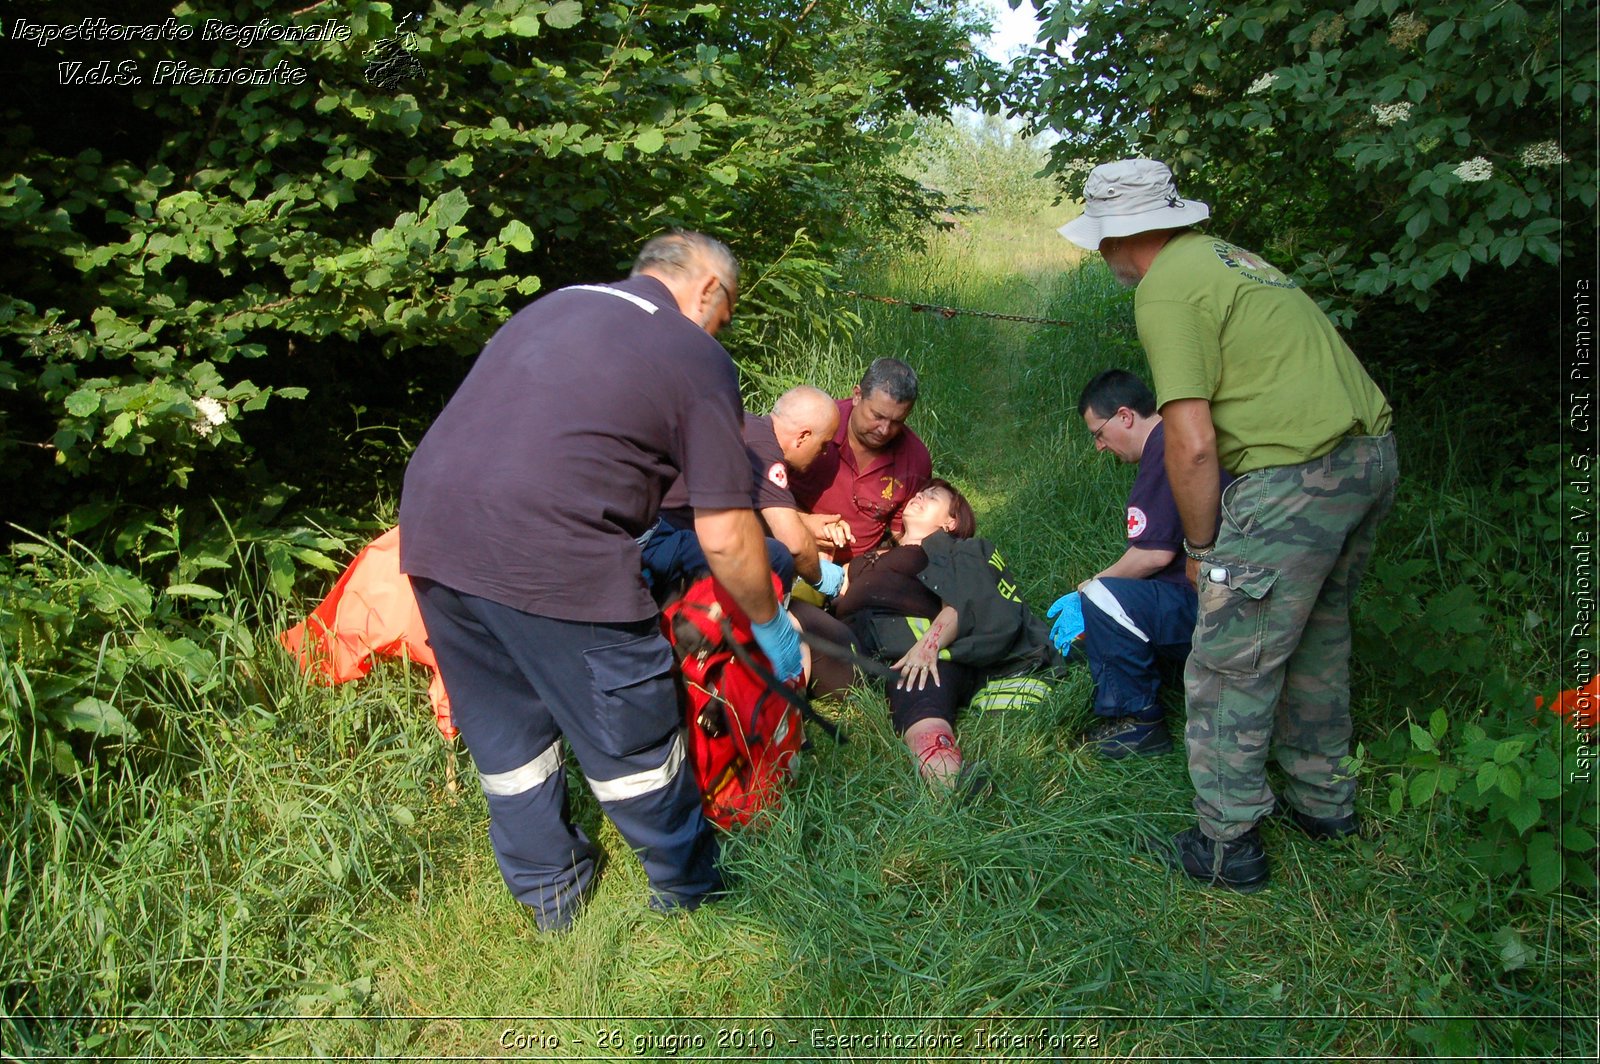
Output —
(807, 711)
(870, 666)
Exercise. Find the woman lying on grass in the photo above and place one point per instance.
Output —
(942, 607)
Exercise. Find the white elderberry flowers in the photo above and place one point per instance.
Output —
(1406, 29)
(1261, 84)
(1476, 168)
(1544, 153)
(1328, 32)
(213, 414)
(1387, 114)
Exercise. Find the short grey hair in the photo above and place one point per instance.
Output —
(891, 377)
(682, 252)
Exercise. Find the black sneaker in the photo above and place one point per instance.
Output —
(1319, 827)
(1240, 865)
(1122, 737)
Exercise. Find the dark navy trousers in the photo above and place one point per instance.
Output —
(1128, 625)
(673, 555)
(520, 685)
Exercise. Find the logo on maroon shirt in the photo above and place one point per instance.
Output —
(1136, 522)
(778, 474)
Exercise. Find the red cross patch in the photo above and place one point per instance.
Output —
(779, 474)
(1136, 522)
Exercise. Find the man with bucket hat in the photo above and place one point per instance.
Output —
(1252, 376)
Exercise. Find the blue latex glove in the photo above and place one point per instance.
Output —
(832, 577)
(780, 642)
(1068, 612)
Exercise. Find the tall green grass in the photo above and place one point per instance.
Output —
(170, 890)
(307, 884)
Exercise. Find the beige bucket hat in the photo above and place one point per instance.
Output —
(1130, 196)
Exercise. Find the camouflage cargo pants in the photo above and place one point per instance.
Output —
(1270, 668)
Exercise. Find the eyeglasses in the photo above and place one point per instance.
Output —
(1094, 434)
(873, 506)
(727, 293)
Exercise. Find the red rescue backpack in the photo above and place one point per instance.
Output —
(743, 728)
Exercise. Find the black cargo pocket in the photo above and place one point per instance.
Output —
(1233, 616)
(635, 706)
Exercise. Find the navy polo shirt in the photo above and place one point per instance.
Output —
(1153, 522)
(766, 462)
(553, 455)
(767, 467)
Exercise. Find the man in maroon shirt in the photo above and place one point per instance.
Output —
(855, 490)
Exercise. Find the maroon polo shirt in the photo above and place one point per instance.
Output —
(554, 454)
(868, 498)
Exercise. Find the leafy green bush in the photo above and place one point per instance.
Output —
(187, 254)
(1515, 795)
(1379, 146)
(1461, 640)
(100, 655)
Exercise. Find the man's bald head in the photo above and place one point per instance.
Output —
(804, 419)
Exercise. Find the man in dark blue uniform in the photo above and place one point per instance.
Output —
(778, 444)
(520, 522)
(1140, 609)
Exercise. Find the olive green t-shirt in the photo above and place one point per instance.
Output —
(1218, 323)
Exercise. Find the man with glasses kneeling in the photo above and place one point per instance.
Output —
(1140, 610)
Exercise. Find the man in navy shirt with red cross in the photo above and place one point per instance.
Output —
(1139, 610)
(784, 442)
(520, 523)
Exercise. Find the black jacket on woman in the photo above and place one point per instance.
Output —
(995, 630)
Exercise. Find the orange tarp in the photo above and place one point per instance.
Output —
(370, 611)
(1582, 704)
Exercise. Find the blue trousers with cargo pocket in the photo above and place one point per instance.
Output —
(522, 687)
(1129, 627)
